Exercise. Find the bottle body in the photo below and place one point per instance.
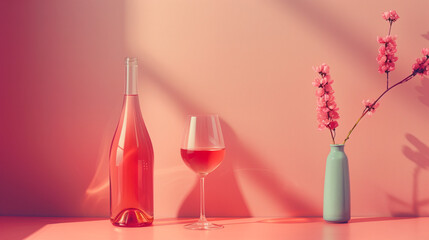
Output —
(131, 168)
(336, 197)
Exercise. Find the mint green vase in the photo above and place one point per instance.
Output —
(336, 197)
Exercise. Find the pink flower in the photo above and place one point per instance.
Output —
(322, 69)
(386, 54)
(332, 125)
(421, 66)
(370, 106)
(327, 111)
(391, 16)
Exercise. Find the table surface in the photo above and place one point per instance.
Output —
(235, 228)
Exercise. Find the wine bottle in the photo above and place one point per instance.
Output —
(131, 161)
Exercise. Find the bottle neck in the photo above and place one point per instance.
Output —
(131, 76)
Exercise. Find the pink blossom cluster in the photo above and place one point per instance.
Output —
(422, 64)
(327, 110)
(370, 106)
(386, 54)
(390, 16)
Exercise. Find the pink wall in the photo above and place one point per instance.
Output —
(61, 72)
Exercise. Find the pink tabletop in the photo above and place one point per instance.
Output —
(235, 228)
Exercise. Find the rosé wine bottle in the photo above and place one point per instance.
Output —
(131, 161)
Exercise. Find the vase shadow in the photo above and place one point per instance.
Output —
(376, 219)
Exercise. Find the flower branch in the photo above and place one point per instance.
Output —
(326, 106)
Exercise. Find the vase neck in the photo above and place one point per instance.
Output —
(337, 147)
(131, 76)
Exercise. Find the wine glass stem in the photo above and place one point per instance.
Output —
(202, 202)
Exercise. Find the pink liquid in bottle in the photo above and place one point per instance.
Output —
(203, 160)
(131, 163)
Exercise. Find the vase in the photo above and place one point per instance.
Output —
(336, 197)
(131, 161)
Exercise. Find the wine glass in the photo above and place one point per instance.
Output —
(203, 150)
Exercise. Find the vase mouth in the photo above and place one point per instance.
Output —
(336, 145)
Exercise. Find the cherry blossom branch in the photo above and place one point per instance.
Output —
(332, 136)
(373, 105)
(327, 110)
(386, 53)
(390, 27)
(387, 80)
(387, 73)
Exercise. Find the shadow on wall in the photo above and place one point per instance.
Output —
(223, 192)
(426, 35)
(423, 91)
(59, 91)
(96, 200)
(342, 34)
(420, 157)
(223, 196)
(18, 228)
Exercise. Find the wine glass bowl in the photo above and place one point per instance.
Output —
(203, 161)
(203, 150)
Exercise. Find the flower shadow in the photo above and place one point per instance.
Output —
(418, 153)
(423, 91)
(420, 157)
(425, 35)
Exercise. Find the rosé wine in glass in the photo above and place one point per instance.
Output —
(203, 161)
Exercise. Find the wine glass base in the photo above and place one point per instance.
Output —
(203, 226)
